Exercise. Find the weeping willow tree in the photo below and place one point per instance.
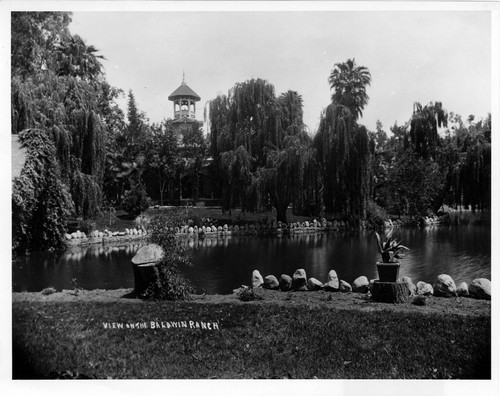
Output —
(259, 146)
(41, 203)
(58, 88)
(424, 126)
(472, 177)
(343, 150)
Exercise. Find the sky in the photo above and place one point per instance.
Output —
(413, 56)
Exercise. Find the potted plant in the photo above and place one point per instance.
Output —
(390, 250)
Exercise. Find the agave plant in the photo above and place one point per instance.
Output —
(391, 248)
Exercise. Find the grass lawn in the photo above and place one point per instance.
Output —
(298, 337)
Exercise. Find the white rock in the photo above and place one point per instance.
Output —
(424, 289)
(271, 282)
(299, 280)
(480, 288)
(345, 286)
(314, 284)
(285, 282)
(444, 286)
(407, 280)
(462, 290)
(333, 282)
(257, 279)
(148, 254)
(360, 285)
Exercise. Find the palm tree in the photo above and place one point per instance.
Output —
(75, 58)
(349, 83)
(342, 145)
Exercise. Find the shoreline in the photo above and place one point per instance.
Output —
(317, 299)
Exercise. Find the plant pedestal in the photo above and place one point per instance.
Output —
(391, 292)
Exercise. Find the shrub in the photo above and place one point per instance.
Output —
(48, 290)
(142, 221)
(136, 200)
(86, 226)
(170, 283)
(248, 294)
(419, 300)
(375, 215)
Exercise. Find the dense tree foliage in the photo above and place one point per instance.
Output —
(260, 146)
(422, 168)
(83, 154)
(41, 203)
(58, 89)
(343, 146)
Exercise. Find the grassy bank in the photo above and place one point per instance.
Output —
(303, 335)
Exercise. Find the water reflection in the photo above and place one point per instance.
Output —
(226, 262)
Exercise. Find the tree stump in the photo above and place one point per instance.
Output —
(145, 264)
(391, 292)
(144, 275)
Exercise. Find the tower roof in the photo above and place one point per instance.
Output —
(184, 91)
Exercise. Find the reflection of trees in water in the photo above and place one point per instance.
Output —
(77, 254)
(302, 240)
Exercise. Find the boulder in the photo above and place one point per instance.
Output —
(424, 289)
(67, 236)
(462, 290)
(270, 282)
(285, 282)
(333, 282)
(345, 286)
(257, 279)
(360, 285)
(480, 288)
(413, 288)
(444, 286)
(314, 284)
(299, 280)
(148, 254)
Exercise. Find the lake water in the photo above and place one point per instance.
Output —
(221, 265)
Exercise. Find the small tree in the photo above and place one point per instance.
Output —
(135, 200)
